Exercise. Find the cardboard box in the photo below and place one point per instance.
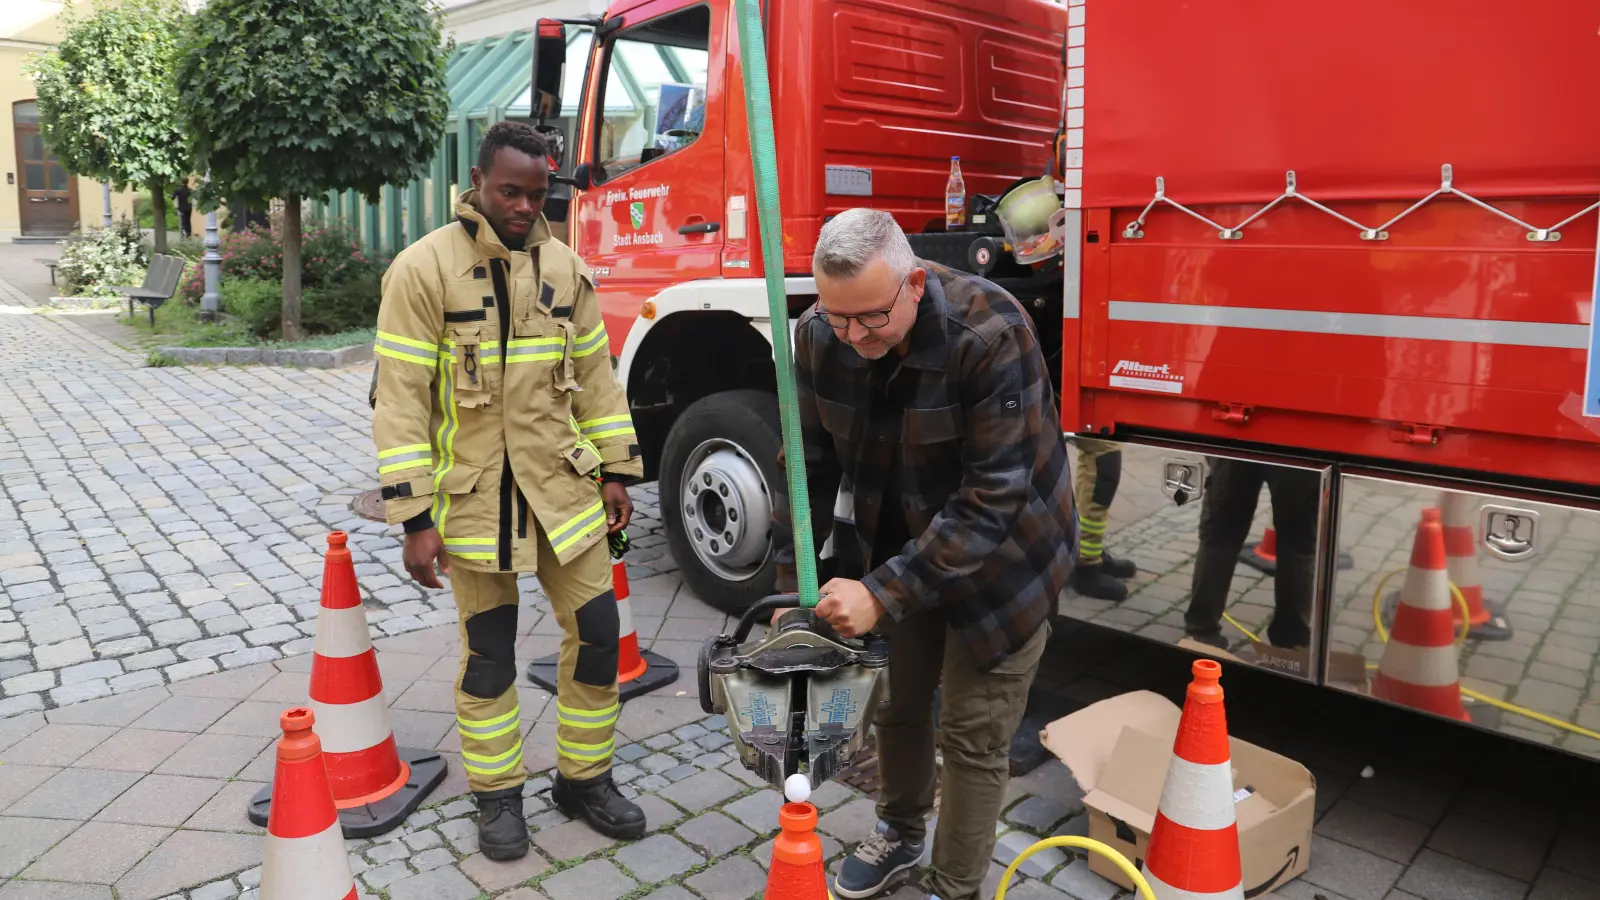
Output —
(1120, 749)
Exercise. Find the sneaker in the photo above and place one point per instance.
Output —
(879, 858)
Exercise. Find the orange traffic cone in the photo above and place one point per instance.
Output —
(1459, 512)
(638, 671)
(375, 783)
(305, 857)
(1419, 664)
(1264, 556)
(1194, 844)
(796, 872)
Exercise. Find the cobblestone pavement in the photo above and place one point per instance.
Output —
(160, 541)
(1550, 664)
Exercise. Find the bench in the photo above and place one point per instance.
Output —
(51, 265)
(160, 284)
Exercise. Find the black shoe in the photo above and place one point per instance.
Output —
(1213, 640)
(1118, 568)
(597, 801)
(1094, 581)
(879, 858)
(502, 831)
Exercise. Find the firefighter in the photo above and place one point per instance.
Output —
(504, 446)
(1099, 474)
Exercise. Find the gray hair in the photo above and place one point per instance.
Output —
(856, 237)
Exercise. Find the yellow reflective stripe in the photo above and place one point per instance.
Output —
(405, 349)
(446, 443)
(533, 349)
(472, 548)
(407, 457)
(489, 729)
(535, 342)
(578, 527)
(492, 765)
(409, 448)
(610, 426)
(582, 718)
(590, 342)
(584, 752)
(516, 712)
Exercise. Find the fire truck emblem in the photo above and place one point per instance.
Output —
(636, 212)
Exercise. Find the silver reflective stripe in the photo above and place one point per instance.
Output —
(470, 546)
(410, 352)
(596, 340)
(578, 525)
(419, 456)
(553, 349)
(600, 431)
(1422, 328)
(1072, 263)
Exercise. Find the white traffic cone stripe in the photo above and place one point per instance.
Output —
(625, 615)
(307, 868)
(1198, 795)
(1164, 891)
(1427, 589)
(1427, 666)
(348, 727)
(342, 633)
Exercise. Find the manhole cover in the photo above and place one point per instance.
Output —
(863, 774)
(369, 505)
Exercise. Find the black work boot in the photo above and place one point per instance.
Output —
(1118, 568)
(502, 832)
(597, 801)
(1094, 581)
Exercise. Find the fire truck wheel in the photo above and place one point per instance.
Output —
(719, 471)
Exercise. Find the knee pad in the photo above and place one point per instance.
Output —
(598, 626)
(491, 666)
(1107, 477)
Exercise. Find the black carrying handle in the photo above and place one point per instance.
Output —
(765, 604)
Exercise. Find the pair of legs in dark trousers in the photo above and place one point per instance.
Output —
(978, 713)
(1233, 487)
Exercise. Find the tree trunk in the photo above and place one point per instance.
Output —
(158, 214)
(291, 268)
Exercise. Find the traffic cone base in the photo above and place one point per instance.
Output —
(638, 671)
(375, 783)
(1263, 556)
(305, 856)
(1485, 621)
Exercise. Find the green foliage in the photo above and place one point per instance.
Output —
(108, 105)
(332, 256)
(147, 215)
(190, 248)
(103, 258)
(289, 100)
(254, 303)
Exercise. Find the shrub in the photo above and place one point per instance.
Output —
(256, 304)
(342, 307)
(330, 256)
(190, 248)
(91, 265)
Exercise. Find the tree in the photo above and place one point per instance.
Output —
(108, 107)
(292, 100)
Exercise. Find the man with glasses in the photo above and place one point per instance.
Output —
(922, 390)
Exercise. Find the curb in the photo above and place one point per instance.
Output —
(235, 356)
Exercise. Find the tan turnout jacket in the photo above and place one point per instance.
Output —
(496, 402)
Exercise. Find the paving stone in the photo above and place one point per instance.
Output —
(67, 653)
(1354, 873)
(758, 812)
(736, 878)
(597, 879)
(1078, 882)
(1555, 884)
(657, 858)
(73, 794)
(659, 815)
(701, 791)
(187, 858)
(1497, 846)
(445, 883)
(429, 860)
(385, 875)
(715, 833)
(497, 875)
(194, 714)
(1373, 830)
(670, 892)
(134, 750)
(23, 840)
(1038, 814)
(571, 840)
(99, 852)
(1435, 876)
(851, 822)
(213, 755)
(167, 800)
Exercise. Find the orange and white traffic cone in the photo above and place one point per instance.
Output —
(1419, 666)
(1459, 512)
(638, 671)
(1264, 556)
(796, 872)
(375, 783)
(1194, 844)
(305, 858)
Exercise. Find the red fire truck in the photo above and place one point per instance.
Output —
(1342, 256)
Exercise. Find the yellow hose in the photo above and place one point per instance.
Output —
(1082, 843)
(1455, 592)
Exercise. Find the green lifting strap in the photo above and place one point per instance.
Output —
(763, 156)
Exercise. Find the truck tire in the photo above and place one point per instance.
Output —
(719, 474)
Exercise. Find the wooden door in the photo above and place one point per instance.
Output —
(47, 193)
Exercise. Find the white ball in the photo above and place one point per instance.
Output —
(1367, 772)
(797, 788)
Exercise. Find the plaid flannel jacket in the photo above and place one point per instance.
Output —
(984, 478)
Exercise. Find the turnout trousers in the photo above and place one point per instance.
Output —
(487, 712)
(1099, 472)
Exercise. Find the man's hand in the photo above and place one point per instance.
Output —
(619, 509)
(849, 607)
(422, 550)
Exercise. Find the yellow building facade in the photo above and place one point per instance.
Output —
(39, 198)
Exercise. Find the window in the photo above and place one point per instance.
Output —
(652, 99)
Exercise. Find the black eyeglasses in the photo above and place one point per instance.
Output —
(871, 320)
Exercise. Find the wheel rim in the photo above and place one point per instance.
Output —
(727, 509)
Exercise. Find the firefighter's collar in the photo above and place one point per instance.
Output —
(483, 235)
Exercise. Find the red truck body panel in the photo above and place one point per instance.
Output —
(1456, 342)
